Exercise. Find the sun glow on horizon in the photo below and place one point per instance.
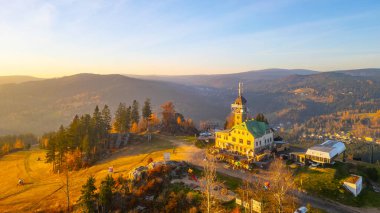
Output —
(51, 39)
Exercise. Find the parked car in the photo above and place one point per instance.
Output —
(314, 165)
(301, 209)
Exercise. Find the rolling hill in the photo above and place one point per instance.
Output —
(16, 79)
(228, 81)
(283, 96)
(41, 106)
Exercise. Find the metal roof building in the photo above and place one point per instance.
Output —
(325, 152)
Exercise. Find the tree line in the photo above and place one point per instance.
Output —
(88, 137)
(128, 119)
(11, 143)
(81, 143)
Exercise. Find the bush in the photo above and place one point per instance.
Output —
(372, 174)
(288, 162)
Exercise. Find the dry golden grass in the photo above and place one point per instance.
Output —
(43, 190)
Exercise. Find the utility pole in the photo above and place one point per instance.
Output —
(67, 184)
(67, 187)
(371, 153)
(148, 130)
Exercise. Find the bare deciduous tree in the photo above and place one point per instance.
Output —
(208, 182)
(253, 188)
(281, 187)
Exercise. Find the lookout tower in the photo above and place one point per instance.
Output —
(239, 108)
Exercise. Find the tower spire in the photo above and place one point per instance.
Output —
(240, 89)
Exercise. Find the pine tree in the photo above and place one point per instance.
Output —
(135, 116)
(86, 146)
(105, 193)
(260, 117)
(88, 197)
(50, 154)
(120, 118)
(127, 121)
(73, 132)
(97, 124)
(146, 110)
(62, 145)
(106, 115)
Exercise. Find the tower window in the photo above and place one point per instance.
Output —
(241, 140)
(248, 142)
(233, 139)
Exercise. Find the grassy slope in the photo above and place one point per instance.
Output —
(44, 189)
(327, 182)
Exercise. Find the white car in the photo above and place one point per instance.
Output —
(301, 209)
(314, 165)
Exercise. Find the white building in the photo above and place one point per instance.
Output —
(325, 152)
(354, 184)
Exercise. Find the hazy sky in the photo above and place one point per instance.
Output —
(62, 37)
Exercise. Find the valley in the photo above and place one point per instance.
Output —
(282, 95)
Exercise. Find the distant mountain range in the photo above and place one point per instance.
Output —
(39, 106)
(227, 80)
(16, 79)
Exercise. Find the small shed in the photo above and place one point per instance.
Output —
(354, 184)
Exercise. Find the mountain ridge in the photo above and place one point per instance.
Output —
(41, 106)
(16, 79)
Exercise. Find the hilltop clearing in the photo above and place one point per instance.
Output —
(43, 190)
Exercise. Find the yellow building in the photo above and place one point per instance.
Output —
(246, 137)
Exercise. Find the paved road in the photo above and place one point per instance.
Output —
(327, 205)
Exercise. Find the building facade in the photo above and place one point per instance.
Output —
(326, 152)
(247, 136)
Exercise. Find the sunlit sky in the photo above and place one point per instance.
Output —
(64, 37)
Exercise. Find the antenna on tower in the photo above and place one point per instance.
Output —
(240, 89)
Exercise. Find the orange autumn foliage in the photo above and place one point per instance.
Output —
(179, 121)
(19, 144)
(74, 159)
(154, 120)
(134, 128)
(5, 148)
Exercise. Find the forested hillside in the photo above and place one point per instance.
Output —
(41, 106)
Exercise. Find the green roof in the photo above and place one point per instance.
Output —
(256, 128)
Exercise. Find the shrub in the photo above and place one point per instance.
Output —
(372, 174)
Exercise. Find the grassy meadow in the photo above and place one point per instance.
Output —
(45, 191)
(328, 183)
